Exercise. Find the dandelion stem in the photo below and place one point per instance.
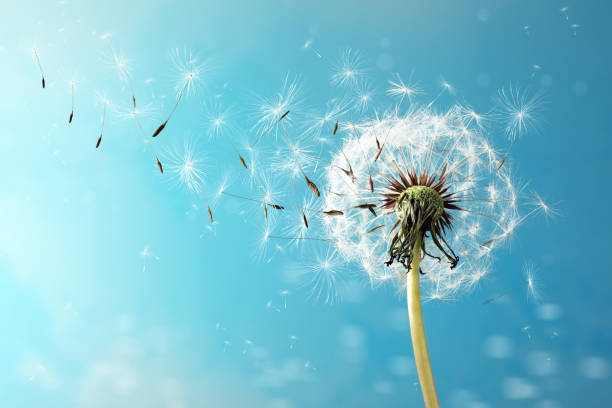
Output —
(417, 331)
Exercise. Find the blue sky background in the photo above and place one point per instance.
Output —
(86, 321)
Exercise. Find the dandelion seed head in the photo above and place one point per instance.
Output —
(422, 141)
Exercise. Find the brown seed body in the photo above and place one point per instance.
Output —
(376, 229)
(312, 186)
(99, 141)
(159, 129)
(242, 161)
(333, 213)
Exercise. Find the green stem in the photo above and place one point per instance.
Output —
(417, 331)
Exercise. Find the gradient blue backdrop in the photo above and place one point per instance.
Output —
(86, 321)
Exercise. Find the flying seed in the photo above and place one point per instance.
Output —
(39, 67)
(305, 219)
(276, 206)
(333, 213)
(159, 165)
(501, 163)
(99, 141)
(70, 117)
(283, 116)
(376, 229)
(210, 215)
(371, 184)
(312, 186)
(242, 161)
(335, 128)
(266, 211)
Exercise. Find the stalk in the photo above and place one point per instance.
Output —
(417, 331)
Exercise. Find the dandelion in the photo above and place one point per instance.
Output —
(443, 204)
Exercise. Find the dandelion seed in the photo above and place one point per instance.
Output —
(105, 102)
(189, 72)
(37, 59)
(564, 12)
(519, 110)
(531, 284)
(270, 111)
(284, 294)
(210, 216)
(72, 82)
(399, 89)
(308, 46)
(575, 28)
(122, 65)
(349, 69)
(186, 165)
(335, 129)
(218, 120)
